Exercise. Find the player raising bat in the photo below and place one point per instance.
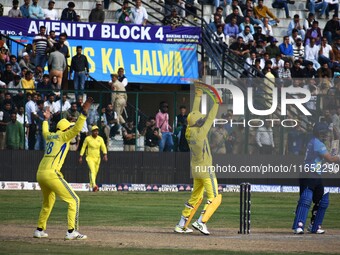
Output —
(201, 160)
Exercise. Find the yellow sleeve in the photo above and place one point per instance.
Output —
(197, 102)
(45, 130)
(83, 148)
(210, 119)
(103, 146)
(270, 14)
(72, 132)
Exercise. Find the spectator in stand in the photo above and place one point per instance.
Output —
(296, 71)
(264, 139)
(234, 4)
(239, 48)
(332, 29)
(248, 6)
(272, 49)
(14, 88)
(50, 103)
(35, 11)
(258, 34)
(293, 38)
(295, 24)
(80, 67)
(235, 14)
(326, 53)
(97, 14)
(152, 135)
(261, 11)
(129, 136)
(68, 13)
(40, 47)
(57, 64)
(139, 14)
(121, 77)
(15, 136)
(325, 75)
(5, 118)
(247, 23)
(219, 11)
(191, 9)
(332, 5)
(15, 65)
(312, 53)
(299, 50)
(173, 20)
(218, 139)
(296, 140)
(27, 83)
(217, 21)
(50, 13)
(231, 31)
(250, 61)
(112, 121)
(25, 9)
(260, 49)
(219, 35)
(309, 71)
(65, 51)
(44, 88)
(308, 22)
(313, 32)
(267, 29)
(284, 72)
(318, 5)
(162, 122)
(246, 35)
(52, 39)
(286, 49)
(71, 114)
(15, 12)
(277, 62)
(253, 20)
(279, 4)
(124, 14)
(118, 99)
(40, 141)
(31, 109)
(26, 62)
(62, 105)
(7, 75)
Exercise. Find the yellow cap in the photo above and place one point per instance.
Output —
(63, 124)
(94, 127)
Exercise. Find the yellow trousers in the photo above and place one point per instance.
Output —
(207, 184)
(52, 183)
(93, 164)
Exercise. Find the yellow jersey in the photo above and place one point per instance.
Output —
(93, 145)
(29, 85)
(58, 144)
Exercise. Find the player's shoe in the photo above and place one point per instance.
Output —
(298, 231)
(182, 230)
(75, 235)
(201, 227)
(95, 188)
(318, 231)
(40, 234)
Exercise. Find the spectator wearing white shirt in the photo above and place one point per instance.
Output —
(294, 36)
(250, 61)
(62, 105)
(51, 104)
(267, 29)
(50, 13)
(277, 62)
(139, 14)
(121, 77)
(264, 138)
(31, 109)
(326, 53)
(312, 53)
(295, 24)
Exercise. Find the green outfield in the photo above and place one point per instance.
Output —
(272, 213)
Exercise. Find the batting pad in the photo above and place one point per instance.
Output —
(193, 211)
(212, 207)
(302, 209)
(320, 214)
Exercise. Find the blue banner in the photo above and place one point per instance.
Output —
(102, 32)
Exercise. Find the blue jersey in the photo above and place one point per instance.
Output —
(314, 155)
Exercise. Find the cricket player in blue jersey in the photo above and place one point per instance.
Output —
(50, 178)
(311, 186)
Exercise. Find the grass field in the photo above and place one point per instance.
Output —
(153, 216)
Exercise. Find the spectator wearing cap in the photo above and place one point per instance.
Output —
(272, 49)
(234, 14)
(318, 5)
(69, 13)
(80, 67)
(97, 14)
(172, 20)
(15, 12)
(332, 29)
(294, 36)
(25, 61)
(298, 50)
(279, 4)
(139, 14)
(124, 14)
(118, 98)
(35, 11)
(25, 9)
(245, 23)
(332, 5)
(246, 35)
(286, 49)
(50, 13)
(261, 11)
(295, 24)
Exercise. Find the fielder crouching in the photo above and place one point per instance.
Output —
(196, 134)
(311, 186)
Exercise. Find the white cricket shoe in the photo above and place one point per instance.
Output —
(182, 230)
(40, 234)
(298, 231)
(75, 235)
(201, 227)
(318, 231)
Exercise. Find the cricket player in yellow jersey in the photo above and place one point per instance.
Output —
(51, 180)
(94, 143)
(196, 134)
